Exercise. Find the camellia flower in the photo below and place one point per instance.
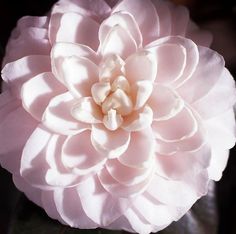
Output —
(115, 116)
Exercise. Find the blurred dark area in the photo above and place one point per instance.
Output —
(218, 16)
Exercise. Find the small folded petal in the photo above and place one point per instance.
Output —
(147, 20)
(32, 21)
(38, 91)
(100, 91)
(118, 41)
(79, 33)
(61, 51)
(110, 143)
(112, 120)
(79, 74)
(165, 103)
(141, 66)
(94, 197)
(126, 21)
(87, 111)
(138, 120)
(140, 153)
(19, 71)
(79, 154)
(141, 91)
(57, 116)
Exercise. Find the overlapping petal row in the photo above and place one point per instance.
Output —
(122, 109)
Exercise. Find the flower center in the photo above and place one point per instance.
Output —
(114, 100)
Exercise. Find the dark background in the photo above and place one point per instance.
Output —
(219, 16)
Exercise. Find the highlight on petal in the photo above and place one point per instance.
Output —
(57, 116)
(111, 143)
(118, 41)
(141, 66)
(126, 21)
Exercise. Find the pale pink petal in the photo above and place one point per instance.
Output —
(140, 153)
(165, 103)
(207, 73)
(127, 175)
(192, 55)
(141, 66)
(219, 99)
(33, 194)
(11, 143)
(61, 51)
(30, 41)
(138, 120)
(179, 127)
(72, 214)
(79, 33)
(87, 111)
(118, 41)
(179, 193)
(19, 71)
(79, 154)
(182, 165)
(110, 143)
(147, 20)
(57, 116)
(32, 21)
(79, 75)
(95, 198)
(120, 190)
(38, 91)
(171, 62)
(125, 20)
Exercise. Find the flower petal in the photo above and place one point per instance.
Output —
(138, 120)
(110, 143)
(126, 21)
(87, 111)
(140, 152)
(19, 71)
(79, 154)
(147, 21)
(165, 103)
(118, 41)
(141, 66)
(79, 33)
(38, 91)
(57, 116)
(79, 75)
(98, 204)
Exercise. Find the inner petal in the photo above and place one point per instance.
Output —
(121, 83)
(100, 91)
(112, 120)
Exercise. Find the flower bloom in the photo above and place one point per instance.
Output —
(115, 117)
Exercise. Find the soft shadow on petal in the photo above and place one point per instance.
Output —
(37, 92)
(126, 21)
(57, 116)
(20, 71)
(118, 41)
(147, 20)
(84, 30)
(79, 75)
(98, 204)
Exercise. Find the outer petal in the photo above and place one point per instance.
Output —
(118, 41)
(98, 204)
(19, 71)
(141, 150)
(57, 116)
(207, 73)
(79, 74)
(79, 33)
(141, 66)
(147, 21)
(38, 91)
(125, 20)
(110, 143)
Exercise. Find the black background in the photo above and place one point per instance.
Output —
(216, 15)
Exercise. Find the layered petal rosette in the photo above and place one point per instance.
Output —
(115, 116)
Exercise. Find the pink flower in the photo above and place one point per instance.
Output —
(115, 117)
